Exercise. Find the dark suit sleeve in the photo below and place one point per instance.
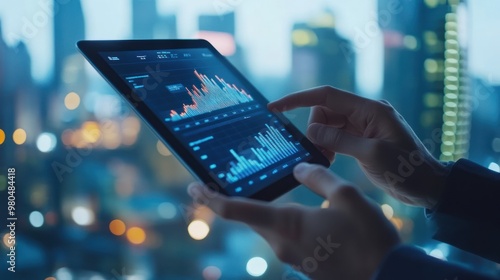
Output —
(467, 217)
(411, 263)
(468, 214)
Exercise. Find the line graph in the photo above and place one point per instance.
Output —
(213, 94)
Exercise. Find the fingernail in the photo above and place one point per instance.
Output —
(313, 130)
(315, 127)
(300, 169)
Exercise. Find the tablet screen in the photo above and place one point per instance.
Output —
(226, 126)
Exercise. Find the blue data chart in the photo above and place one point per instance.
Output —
(274, 147)
(217, 117)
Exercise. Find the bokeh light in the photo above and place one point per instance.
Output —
(223, 42)
(437, 253)
(63, 273)
(46, 142)
(162, 149)
(167, 210)
(198, 229)
(51, 218)
(494, 166)
(325, 204)
(431, 65)
(256, 266)
(136, 235)
(304, 37)
(5, 240)
(72, 101)
(410, 42)
(2, 137)
(38, 195)
(397, 222)
(496, 145)
(82, 216)
(212, 273)
(36, 219)
(388, 211)
(111, 135)
(91, 131)
(131, 127)
(66, 137)
(77, 139)
(117, 227)
(19, 136)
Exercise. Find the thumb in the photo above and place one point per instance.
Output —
(326, 184)
(317, 178)
(337, 140)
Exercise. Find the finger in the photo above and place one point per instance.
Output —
(341, 102)
(320, 114)
(322, 181)
(317, 178)
(338, 140)
(323, 115)
(202, 196)
(253, 213)
(197, 192)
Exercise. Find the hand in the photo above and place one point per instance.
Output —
(348, 240)
(375, 134)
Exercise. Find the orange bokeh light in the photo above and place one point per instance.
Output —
(397, 222)
(19, 136)
(117, 227)
(136, 235)
(2, 137)
(5, 240)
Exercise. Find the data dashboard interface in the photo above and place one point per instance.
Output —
(241, 144)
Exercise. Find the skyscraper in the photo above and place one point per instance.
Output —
(220, 31)
(424, 75)
(17, 86)
(69, 27)
(320, 56)
(144, 18)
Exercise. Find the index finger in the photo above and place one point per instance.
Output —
(339, 101)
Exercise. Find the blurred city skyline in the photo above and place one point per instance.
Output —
(102, 196)
(31, 21)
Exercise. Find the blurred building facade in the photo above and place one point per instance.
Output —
(69, 26)
(320, 56)
(485, 132)
(425, 72)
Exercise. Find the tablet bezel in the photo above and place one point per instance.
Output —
(91, 51)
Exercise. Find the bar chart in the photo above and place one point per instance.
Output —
(273, 148)
(213, 94)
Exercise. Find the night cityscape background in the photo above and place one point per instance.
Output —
(99, 197)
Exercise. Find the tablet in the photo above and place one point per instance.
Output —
(207, 113)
